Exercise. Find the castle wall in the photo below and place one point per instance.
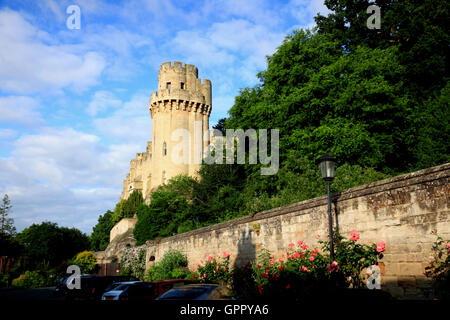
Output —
(121, 227)
(139, 177)
(402, 211)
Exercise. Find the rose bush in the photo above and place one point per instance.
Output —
(306, 272)
(213, 270)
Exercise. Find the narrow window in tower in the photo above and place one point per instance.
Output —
(164, 149)
(168, 85)
(163, 177)
(182, 85)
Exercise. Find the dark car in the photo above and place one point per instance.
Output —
(61, 286)
(92, 287)
(198, 292)
(142, 290)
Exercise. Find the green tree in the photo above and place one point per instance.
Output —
(99, 238)
(419, 28)
(47, 245)
(118, 211)
(6, 224)
(131, 205)
(169, 211)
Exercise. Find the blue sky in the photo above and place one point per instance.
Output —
(74, 103)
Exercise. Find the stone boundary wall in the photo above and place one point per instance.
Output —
(402, 211)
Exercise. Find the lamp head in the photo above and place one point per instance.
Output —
(327, 164)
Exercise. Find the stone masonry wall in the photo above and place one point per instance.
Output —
(121, 227)
(402, 211)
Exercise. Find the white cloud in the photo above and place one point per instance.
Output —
(101, 101)
(129, 123)
(7, 133)
(305, 11)
(234, 49)
(65, 176)
(20, 109)
(28, 64)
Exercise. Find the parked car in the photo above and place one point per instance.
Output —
(92, 287)
(114, 285)
(148, 290)
(60, 286)
(198, 291)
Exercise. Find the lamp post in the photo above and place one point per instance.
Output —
(327, 165)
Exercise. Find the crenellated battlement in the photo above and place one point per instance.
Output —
(180, 83)
(178, 67)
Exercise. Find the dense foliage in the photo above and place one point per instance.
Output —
(173, 265)
(46, 245)
(99, 238)
(127, 208)
(86, 260)
(132, 263)
(30, 279)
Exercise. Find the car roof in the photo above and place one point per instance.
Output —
(198, 285)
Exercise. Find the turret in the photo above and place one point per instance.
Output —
(182, 101)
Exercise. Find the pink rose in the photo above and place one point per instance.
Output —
(291, 245)
(311, 258)
(381, 246)
(354, 235)
(226, 255)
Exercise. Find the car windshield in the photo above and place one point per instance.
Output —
(120, 287)
(190, 293)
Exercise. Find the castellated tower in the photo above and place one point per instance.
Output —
(180, 106)
(183, 101)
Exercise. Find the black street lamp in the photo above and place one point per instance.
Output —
(327, 165)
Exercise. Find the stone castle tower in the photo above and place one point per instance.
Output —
(182, 101)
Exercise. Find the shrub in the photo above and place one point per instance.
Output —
(172, 266)
(215, 270)
(4, 279)
(132, 263)
(439, 268)
(353, 257)
(86, 260)
(30, 279)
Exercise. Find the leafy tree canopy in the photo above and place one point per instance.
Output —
(46, 244)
